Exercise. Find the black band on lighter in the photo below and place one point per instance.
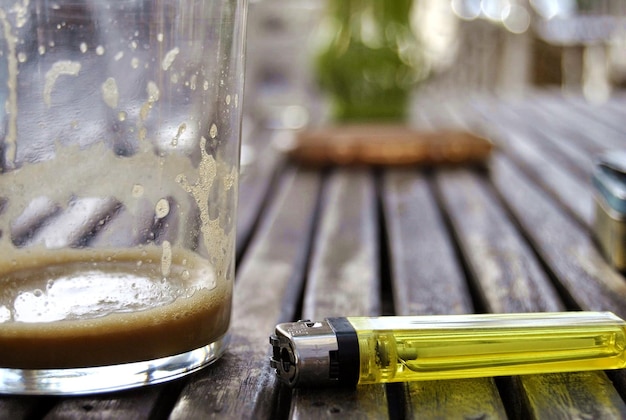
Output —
(347, 360)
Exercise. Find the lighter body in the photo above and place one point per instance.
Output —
(367, 350)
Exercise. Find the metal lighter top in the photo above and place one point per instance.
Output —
(351, 350)
(308, 353)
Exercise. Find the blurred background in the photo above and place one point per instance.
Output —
(465, 47)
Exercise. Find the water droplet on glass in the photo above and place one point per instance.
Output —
(153, 92)
(162, 208)
(169, 58)
(137, 190)
(181, 129)
(110, 92)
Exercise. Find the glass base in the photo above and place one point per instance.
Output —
(81, 381)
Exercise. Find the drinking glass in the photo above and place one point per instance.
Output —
(119, 149)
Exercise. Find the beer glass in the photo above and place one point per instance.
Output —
(119, 149)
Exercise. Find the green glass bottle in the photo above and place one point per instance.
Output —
(371, 62)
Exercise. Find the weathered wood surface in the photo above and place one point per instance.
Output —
(426, 275)
(133, 404)
(503, 271)
(344, 278)
(580, 271)
(513, 238)
(259, 169)
(509, 277)
(428, 279)
(516, 139)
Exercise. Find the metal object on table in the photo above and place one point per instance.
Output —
(609, 181)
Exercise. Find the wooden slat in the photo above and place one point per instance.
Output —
(255, 182)
(455, 399)
(366, 402)
(585, 395)
(344, 274)
(551, 136)
(506, 273)
(428, 279)
(344, 280)
(426, 274)
(553, 120)
(133, 404)
(612, 113)
(572, 192)
(599, 125)
(241, 385)
(23, 408)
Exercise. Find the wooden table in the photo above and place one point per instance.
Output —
(311, 244)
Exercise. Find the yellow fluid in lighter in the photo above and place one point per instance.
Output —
(396, 349)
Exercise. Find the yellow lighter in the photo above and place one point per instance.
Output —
(365, 350)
